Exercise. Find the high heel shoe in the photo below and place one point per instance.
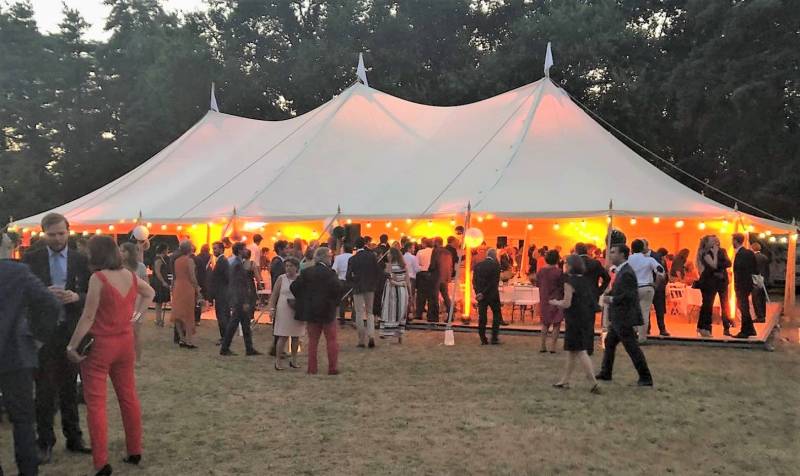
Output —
(279, 368)
(596, 390)
(132, 459)
(104, 471)
(294, 365)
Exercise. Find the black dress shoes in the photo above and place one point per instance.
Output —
(253, 352)
(226, 352)
(645, 383)
(104, 471)
(603, 377)
(484, 342)
(371, 343)
(45, 455)
(132, 459)
(743, 335)
(79, 447)
(496, 342)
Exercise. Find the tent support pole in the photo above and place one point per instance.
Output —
(791, 266)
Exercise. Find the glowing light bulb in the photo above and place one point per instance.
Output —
(180, 227)
(480, 219)
(679, 224)
(504, 224)
(71, 232)
(784, 240)
(701, 225)
(85, 233)
(556, 226)
(530, 226)
(656, 220)
(163, 227)
(97, 231)
(369, 224)
(149, 224)
(750, 228)
(408, 220)
(762, 235)
(768, 233)
(388, 224)
(633, 221)
(110, 227)
(772, 239)
(452, 222)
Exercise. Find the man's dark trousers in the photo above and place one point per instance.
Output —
(56, 380)
(743, 303)
(626, 335)
(238, 316)
(17, 389)
(497, 318)
(223, 314)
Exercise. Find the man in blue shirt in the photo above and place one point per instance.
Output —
(66, 273)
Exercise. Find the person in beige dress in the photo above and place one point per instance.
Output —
(284, 325)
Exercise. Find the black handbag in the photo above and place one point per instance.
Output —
(85, 345)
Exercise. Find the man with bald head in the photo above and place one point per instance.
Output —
(486, 282)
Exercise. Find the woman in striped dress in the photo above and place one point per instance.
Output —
(395, 296)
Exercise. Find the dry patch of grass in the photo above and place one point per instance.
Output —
(422, 408)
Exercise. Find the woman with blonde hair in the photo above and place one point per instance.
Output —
(712, 264)
(281, 307)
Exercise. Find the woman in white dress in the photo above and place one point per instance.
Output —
(395, 296)
(281, 307)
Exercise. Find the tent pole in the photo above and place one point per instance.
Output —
(457, 280)
(791, 267)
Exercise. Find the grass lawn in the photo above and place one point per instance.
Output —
(422, 408)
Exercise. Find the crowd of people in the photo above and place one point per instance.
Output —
(85, 310)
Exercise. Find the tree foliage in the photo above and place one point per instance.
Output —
(712, 86)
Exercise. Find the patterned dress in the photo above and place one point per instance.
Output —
(395, 303)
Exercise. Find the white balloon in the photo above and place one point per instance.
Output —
(141, 233)
(473, 237)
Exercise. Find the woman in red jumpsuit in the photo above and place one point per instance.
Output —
(110, 317)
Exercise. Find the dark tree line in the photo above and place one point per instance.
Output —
(713, 86)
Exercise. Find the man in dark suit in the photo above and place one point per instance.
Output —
(623, 315)
(452, 248)
(744, 267)
(363, 275)
(66, 273)
(486, 282)
(239, 298)
(441, 272)
(217, 287)
(28, 313)
(318, 292)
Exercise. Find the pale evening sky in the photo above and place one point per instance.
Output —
(48, 13)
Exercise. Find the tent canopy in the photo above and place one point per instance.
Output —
(528, 153)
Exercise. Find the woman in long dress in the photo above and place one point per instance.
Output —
(184, 295)
(395, 296)
(578, 306)
(284, 325)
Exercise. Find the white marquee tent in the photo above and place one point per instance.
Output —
(530, 152)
